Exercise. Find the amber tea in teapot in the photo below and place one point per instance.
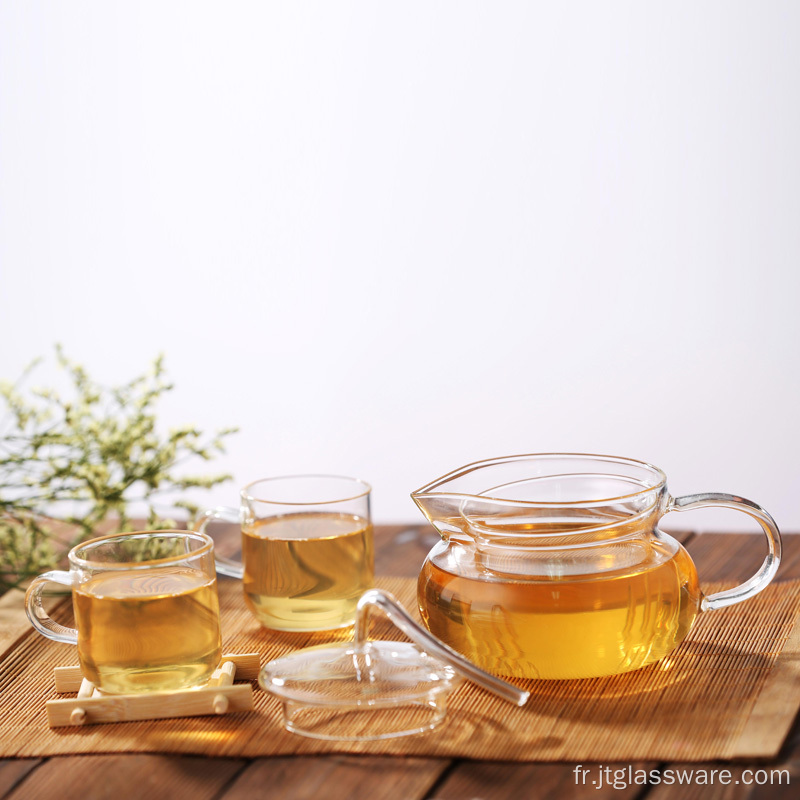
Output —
(552, 565)
(576, 626)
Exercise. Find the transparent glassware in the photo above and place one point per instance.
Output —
(553, 565)
(307, 550)
(146, 610)
(369, 690)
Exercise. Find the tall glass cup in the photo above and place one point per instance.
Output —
(307, 550)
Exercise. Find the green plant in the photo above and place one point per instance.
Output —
(80, 462)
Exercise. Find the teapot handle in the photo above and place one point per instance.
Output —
(768, 568)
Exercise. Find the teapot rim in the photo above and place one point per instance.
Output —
(428, 489)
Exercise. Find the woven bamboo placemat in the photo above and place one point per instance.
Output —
(729, 691)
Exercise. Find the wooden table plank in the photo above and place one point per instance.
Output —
(114, 777)
(14, 622)
(489, 780)
(337, 778)
(736, 557)
(13, 771)
(400, 550)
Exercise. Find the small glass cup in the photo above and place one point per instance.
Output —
(307, 550)
(146, 610)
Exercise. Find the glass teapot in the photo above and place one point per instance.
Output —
(553, 565)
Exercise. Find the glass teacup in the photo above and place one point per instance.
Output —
(307, 550)
(146, 610)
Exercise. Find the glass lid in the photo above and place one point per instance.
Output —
(374, 674)
(367, 690)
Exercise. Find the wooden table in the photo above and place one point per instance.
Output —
(400, 551)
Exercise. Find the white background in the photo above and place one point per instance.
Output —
(389, 239)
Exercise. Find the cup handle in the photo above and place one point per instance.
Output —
(225, 566)
(39, 617)
(768, 568)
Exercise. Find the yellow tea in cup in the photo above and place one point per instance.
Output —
(307, 550)
(307, 571)
(148, 630)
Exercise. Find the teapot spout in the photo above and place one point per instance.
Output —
(442, 511)
(445, 500)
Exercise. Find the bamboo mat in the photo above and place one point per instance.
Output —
(729, 691)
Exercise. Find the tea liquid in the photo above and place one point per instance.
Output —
(305, 572)
(566, 626)
(148, 630)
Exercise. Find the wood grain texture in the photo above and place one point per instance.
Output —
(400, 551)
(135, 776)
(736, 556)
(499, 781)
(773, 700)
(336, 778)
(14, 622)
(691, 706)
(730, 782)
(14, 770)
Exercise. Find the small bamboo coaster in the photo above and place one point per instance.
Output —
(218, 696)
